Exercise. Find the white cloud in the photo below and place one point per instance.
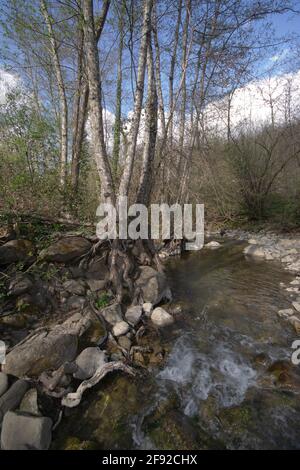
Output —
(8, 82)
(257, 103)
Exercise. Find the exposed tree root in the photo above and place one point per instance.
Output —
(73, 399)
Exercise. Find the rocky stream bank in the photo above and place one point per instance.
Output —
(65, 332)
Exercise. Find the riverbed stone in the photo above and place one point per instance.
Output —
(213, 244)
(254, 250)
(42, 352)
(147, 309)
(12, 397)
(161, 318)
(96, 285)
(20, 284)
(112, 314)
(21, 431)
(286, 312)
(152, 285)
(97, 269)
(295, 321)
(66, 249)
(3, 383)
(124, 342)
(75, 286)
(292, 289)
(296, 306)
(120, 328)
(88, 361)
(76, 302)
(287, 259)
(16, 250)
(133, 314)
(29, 403)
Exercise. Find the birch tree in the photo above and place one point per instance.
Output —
(95, 104)
(81, 96)
(138, 100)
(53, 45)
(145, 183)
(118, 113)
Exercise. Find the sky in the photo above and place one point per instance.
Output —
(286, 23)
(250, 97)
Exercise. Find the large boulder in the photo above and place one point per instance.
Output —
(112, 314)
(66, 249)
(19, 285)
(44, 351)
(161, 318)
(12, 397)
(15, 251)
(48, 349)
(152, 285)
(21, 431)
(3, 383)
(88, 361)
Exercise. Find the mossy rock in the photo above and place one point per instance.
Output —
(74, 443)
(169, 429)
(15, 320)
(93, 335)
(237, 417)
(103, 416)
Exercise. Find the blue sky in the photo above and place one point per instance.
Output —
(287, 23)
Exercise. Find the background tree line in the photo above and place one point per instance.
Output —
(113, 97)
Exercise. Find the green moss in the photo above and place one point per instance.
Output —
(104, 415)
(169, 429)
(74, 443)
(103, 300)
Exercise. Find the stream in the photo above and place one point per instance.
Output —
(228, 381)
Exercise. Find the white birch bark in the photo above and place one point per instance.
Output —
(95, 105)
(138, 100)
(144, 190)
(61, 92)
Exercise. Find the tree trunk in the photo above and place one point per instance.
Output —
(95, 105)
(138, 100)
(117, 125)
(161, 108)
(61, 92)
(81, 98)
(79, 113)
(172, 69)
(184, 91)
(144, 191)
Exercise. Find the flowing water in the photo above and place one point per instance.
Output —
(228, 381)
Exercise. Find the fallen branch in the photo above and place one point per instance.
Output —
(73, 399)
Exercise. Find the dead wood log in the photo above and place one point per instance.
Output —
(73, 399)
